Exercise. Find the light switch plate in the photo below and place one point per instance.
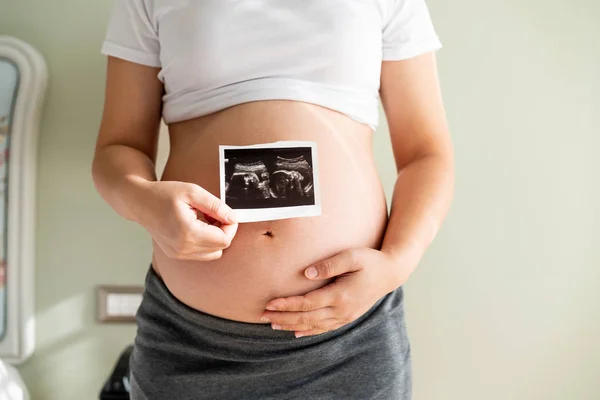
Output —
(118, 303)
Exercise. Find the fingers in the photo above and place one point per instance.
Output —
(304, 323)
(218, 237)
(198, 241)
(320, 298)
(321, 326)
(191, 223)
(334, 305)
(196, 254)
(318, 331)
(221, 224)
(210, 220)
(208, 256)
(211, 205)
(229, 231)
(337, 265)
(202, 243)
(292, 321)
(205, 235)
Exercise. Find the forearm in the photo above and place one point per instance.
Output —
(422, 196)
(120, 174)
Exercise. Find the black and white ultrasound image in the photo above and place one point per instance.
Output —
(269, 177)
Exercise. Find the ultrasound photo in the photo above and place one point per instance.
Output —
(270, 181)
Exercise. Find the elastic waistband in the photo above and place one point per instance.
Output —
(158, 298)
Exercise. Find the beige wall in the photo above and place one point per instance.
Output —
(504, 304)
(81, 242)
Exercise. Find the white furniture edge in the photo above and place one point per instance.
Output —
(18, 341)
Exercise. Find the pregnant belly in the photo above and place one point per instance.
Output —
(267, 259)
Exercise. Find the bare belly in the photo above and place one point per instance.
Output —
(258, 267)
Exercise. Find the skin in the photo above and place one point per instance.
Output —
(424, 188)
(240, 272)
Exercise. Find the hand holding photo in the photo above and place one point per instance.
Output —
(270, 181)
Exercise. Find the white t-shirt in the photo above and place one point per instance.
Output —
(215, 54)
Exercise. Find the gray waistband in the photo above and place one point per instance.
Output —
(158, 295)
(183, 353)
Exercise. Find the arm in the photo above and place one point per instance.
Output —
(128, 138)
(422, 194)
(124, 172)
(423, 153)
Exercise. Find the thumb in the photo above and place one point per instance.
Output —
(211, 205)
(337, 265)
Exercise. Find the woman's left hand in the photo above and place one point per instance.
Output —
(362, 276)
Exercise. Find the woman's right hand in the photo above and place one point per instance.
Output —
(177, 215)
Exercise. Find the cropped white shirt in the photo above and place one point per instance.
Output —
(214, 54)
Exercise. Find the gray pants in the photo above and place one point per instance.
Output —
(181, 353)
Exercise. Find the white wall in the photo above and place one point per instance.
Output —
(503, 305)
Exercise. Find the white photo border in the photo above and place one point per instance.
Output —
(245, 215)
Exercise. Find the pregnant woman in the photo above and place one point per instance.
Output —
(300, 308)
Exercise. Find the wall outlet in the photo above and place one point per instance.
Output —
(118, 303)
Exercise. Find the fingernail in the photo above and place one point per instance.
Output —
(276, 327)
(272, 308)
(265, 319)
(299, 335)
(311, 272)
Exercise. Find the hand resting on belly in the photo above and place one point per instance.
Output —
(266, 260)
